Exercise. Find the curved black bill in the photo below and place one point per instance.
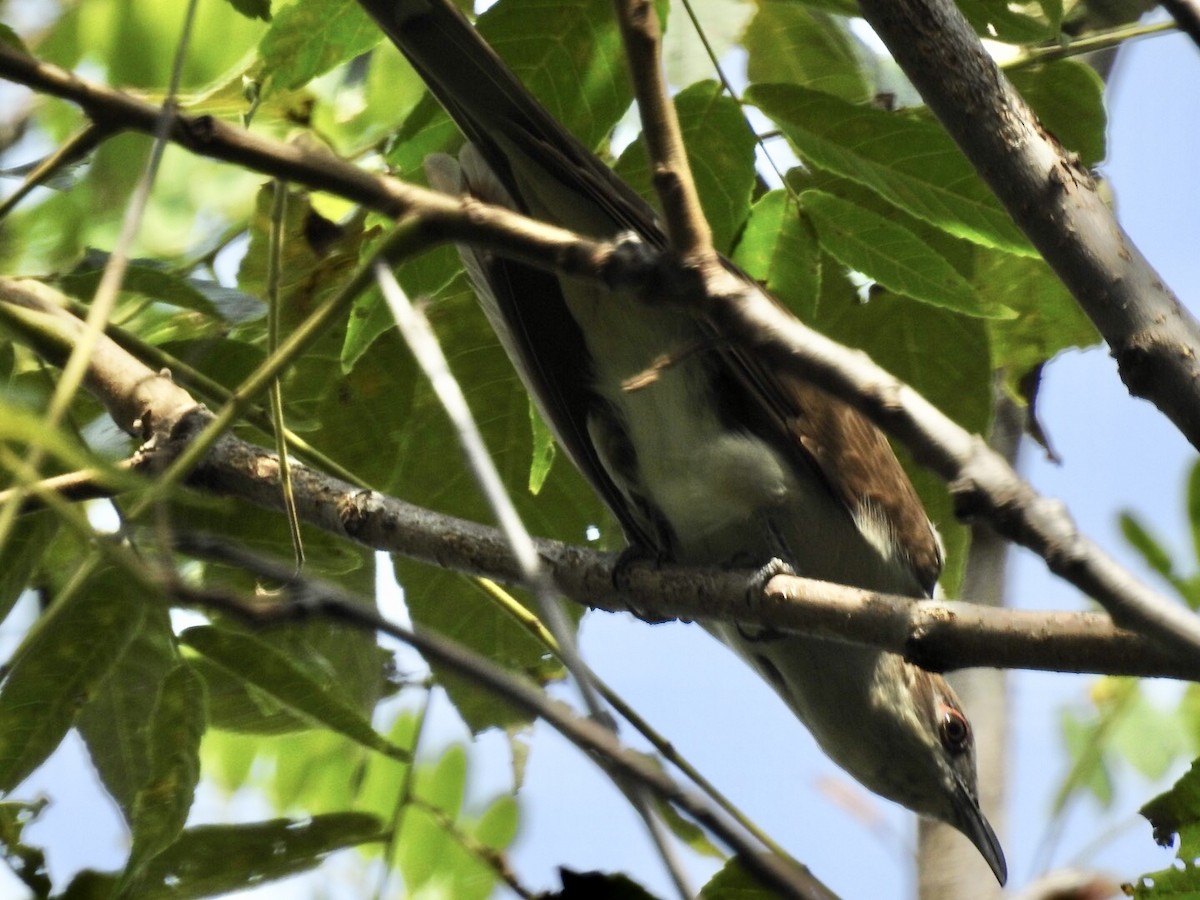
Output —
(973, 823)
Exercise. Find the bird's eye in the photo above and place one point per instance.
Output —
(954, 730)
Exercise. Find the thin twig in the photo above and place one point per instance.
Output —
(988, 486)
(71, 151)
(1186, 14)
(1087, 43)
(984, 485)
(420, 338)
(310, 597)
(402, 799)
(665, 748)
(687, 228)
(279, 191)
(489, 856)
(75, 368)
(441, 218)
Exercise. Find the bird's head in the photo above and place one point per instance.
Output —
(927, 761)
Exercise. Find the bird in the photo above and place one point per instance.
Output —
(714, 459)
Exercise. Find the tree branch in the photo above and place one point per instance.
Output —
(309, 597)
(983, 484)
(442, 218)
(1052, 199)
(687, 227)
(1186, 14)
(935, 635)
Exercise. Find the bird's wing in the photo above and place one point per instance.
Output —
(514, 133)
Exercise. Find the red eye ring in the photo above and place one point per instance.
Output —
(954, 730)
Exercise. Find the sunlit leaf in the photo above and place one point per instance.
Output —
(273, 673)
(910, 162)
(889, 254)
(308, 39)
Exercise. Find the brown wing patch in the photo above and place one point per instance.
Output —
(862, 470)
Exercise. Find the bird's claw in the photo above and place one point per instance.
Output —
(757, 585)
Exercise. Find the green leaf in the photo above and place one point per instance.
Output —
(999, 20)
(1089, 771)
(423, 277)
(253, 9)
(217, 859)
(1149, 738)
(888, 253)
(687, 831)
(317, 771)
(720, 149)
(791, 43)
(437, 843)
(1193, 508)
(318, 254)
(425, 851)
(1176, 808)
(226, 759)
(157, 281)
(10, 38)
(497, 827)
(910, 162)
(161, 807)
(267, 669)
(1068, 97)
(240, 707)
(383, 779)
(733, 882)
(27, 863)
(445, 785)
(58, 667)
(113, 723)
(310, 37)
(569, 55)
(1153, 553)
(778, 248)
(1175, 812)
(454, 606)
(421, 467)
(1048, 319)
(687, 55)
(544, 450)
(21, 554)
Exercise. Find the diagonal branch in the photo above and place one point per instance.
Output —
(1186, 14)
(687, 227)
(984, 485)
(1155, 341)
(442, 218)
(310, 597)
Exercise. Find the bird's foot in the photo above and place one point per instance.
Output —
(754, 593)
